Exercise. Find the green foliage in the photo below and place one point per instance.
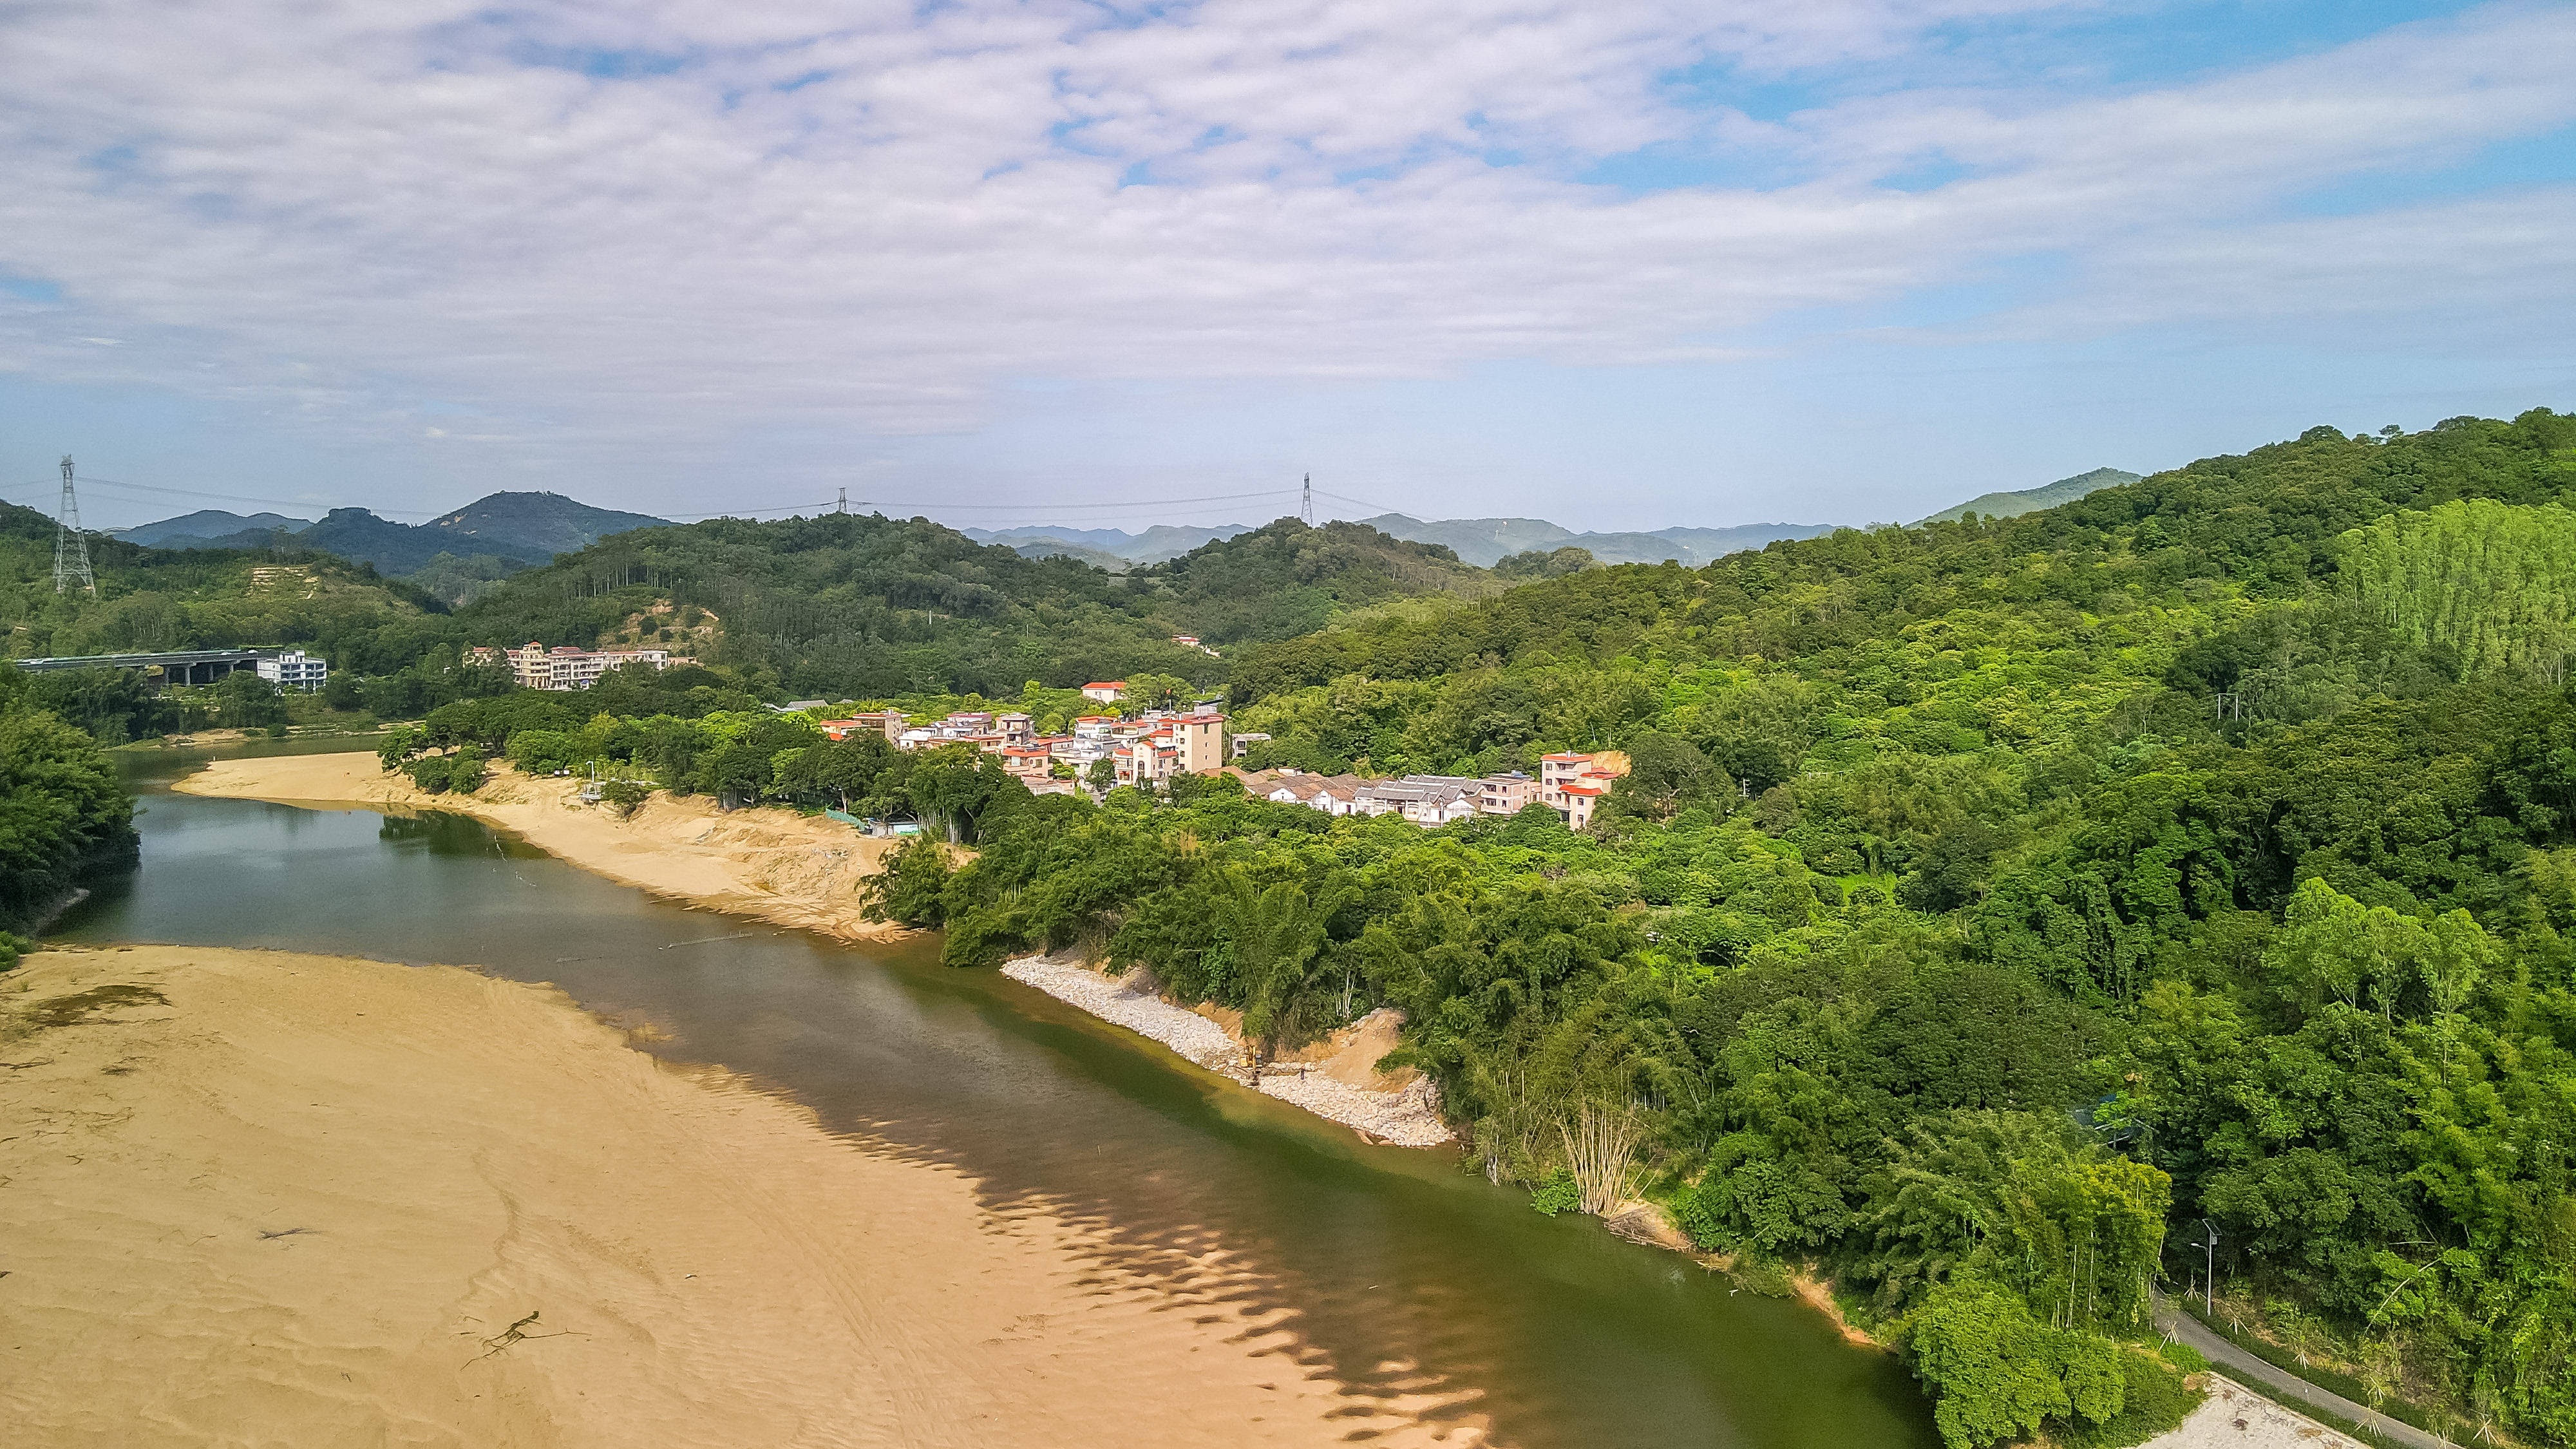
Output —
(1999, 1374)
(244, 701)
(1286, 578)
(2490, 584)
(911, 890)
(1545, 563)
(461, 770)
(2154, 1400)
(63, 813)
(625, 797)
(401, 745)
(1560, 1193)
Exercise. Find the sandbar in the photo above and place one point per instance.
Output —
(772, 864)
(263, 1198)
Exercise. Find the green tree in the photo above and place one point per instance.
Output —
(248, 702)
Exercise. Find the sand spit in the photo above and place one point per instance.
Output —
(2236, 1417)
(771, 864)
(1335, 1079)
(254, 1197)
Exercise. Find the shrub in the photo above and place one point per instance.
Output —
(1559, 1194)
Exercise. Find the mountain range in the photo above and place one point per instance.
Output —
(464, 551)
(1479, 541)
(508, 531)
(1111, 548)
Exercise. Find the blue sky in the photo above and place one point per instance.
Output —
(1624, 264)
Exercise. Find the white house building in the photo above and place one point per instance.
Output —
(293, 669)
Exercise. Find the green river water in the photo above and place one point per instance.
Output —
(1393, 1265)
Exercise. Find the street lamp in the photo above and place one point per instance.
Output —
(2209, 1268)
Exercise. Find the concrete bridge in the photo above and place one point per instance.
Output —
(183, 666)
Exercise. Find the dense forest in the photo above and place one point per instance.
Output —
(1990, 906)
(1287, 579)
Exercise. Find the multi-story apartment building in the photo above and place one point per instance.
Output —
(1201, 740)
(564, 667)
(293, 669)
(1505, 794)
(887, 722)
(1572, 784)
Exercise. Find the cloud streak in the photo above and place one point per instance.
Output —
(640, 231)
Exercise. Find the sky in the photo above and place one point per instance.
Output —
(1616, 263)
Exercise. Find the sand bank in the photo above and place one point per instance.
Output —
(253, 1197)
(771, 864)
(1336, 1078)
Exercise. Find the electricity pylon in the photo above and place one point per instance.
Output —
(1305, 510)
(71, 546)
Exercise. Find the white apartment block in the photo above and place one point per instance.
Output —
(293, 669)
(564, 667)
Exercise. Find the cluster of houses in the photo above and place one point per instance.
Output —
(1147, 750)
(1570, 784)
(564, 667)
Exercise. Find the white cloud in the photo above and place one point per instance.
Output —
(750, 220)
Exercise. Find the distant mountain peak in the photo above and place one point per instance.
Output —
(2032, 500)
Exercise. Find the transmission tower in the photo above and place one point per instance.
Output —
(71, 547)
(1305, 510)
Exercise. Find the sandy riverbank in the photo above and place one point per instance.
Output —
(1336, 1079)
(260, 1197)
(771, 864)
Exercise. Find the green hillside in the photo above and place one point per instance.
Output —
(1987, 906)
(2032, 500)
(844, 606)
(155, 599)
(1286, 578)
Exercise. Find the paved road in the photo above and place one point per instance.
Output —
(2187, 1329)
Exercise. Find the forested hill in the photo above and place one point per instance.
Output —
(1988, 908)
(154, 599)
(1286, 578)
(845, 605)
(2265, 524)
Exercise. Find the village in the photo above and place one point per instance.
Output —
(1147, 749)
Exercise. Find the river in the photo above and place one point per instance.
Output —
(1398, 1272)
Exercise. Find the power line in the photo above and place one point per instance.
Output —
(241, 498)
(840, 504)
(1142, 503)
(1362, 502)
